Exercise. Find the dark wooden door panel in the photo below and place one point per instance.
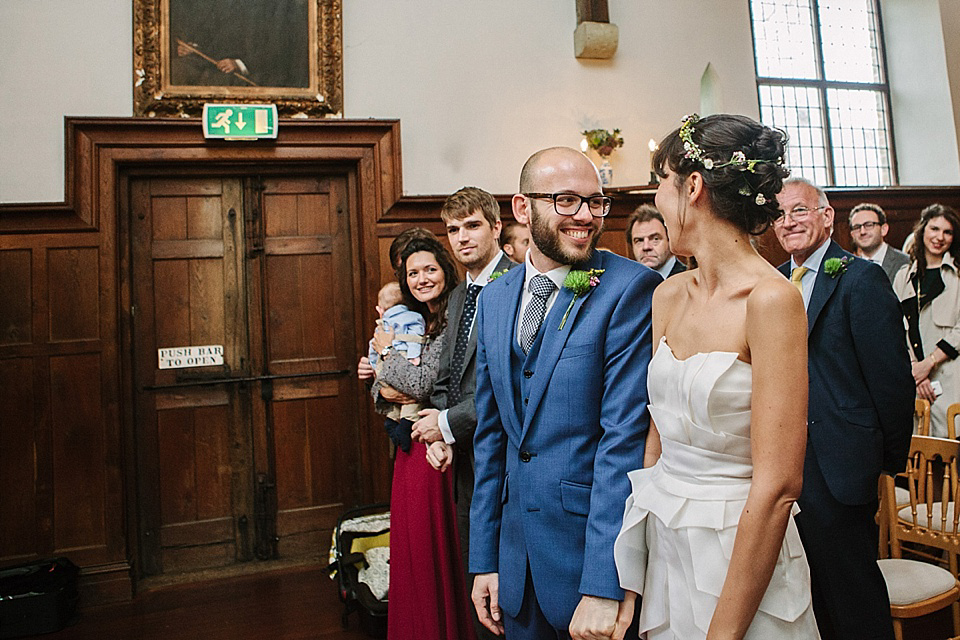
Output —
(308, 319)
(266, 444)
(194, 447)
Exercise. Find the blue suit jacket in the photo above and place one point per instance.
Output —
(551, 474)
(860, 415)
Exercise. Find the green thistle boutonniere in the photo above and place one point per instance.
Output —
(496, 274)
(579, 282)
(836, 266)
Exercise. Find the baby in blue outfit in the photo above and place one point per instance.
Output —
(409, 328)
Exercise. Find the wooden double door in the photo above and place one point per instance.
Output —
(256, 457)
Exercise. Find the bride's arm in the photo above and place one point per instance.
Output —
(777, 338)
(651, 451)
(664, 302)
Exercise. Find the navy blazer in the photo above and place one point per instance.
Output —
(551, 474)
(860, 416)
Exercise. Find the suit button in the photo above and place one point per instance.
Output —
(527, 373)
(526, 400)
(525, 456)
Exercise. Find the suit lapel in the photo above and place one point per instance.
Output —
(505, 263)
(506, 319)
(455, 306)
(457, 299)
(554, 338)
(824, 286)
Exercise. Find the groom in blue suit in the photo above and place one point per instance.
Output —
(561, 412)
(859, 418)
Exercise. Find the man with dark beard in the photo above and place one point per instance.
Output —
(562, 354)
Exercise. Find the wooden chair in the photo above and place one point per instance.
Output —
(952, 412)
(919, 587)
(921, 417)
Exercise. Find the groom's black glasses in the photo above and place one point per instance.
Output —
(568, 204)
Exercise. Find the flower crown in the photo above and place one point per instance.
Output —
(737, 159)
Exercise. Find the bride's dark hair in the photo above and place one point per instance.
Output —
(741, 162)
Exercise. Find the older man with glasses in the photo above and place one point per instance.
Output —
(859, 418)
(868, 229)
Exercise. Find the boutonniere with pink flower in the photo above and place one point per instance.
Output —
(836, 266)
(580, 282)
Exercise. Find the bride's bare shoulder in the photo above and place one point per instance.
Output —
(775, 299)
(673, 288)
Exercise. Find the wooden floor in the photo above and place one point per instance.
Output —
(287, 604)
(297, 603)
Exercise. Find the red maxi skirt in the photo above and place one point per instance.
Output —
(428, 598)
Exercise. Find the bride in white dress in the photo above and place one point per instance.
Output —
(708, 535)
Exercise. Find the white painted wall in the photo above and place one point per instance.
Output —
(478, 86)
(920, 91)
(57, 58)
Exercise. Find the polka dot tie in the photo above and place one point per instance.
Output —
(541, 287)
(460, 347)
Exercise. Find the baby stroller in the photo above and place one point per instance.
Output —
(360, 562)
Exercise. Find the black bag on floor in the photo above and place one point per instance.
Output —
(39, 597)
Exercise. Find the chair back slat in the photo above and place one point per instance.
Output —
(932, 478)
(934, 487)
(921, 418)
(952, 412)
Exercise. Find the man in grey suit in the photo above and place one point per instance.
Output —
(868, 228)
(472, 218)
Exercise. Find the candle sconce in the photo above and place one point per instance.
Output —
(652, 145)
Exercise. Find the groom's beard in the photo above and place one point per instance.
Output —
(549, 242)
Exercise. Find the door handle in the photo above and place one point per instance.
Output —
(206, 382)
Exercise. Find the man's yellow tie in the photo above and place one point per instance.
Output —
(796, 275)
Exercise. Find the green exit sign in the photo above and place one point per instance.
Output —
(239, 121)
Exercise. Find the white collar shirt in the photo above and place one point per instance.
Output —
(484, 276)
(813, 266)
(878, 255)
(664, 269)
(557, 275)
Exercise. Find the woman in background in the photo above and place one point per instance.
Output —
(929, 292)
(428, 597)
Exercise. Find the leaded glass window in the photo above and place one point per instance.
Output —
(821, 78)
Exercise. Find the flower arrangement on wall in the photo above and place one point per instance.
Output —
(602, 141)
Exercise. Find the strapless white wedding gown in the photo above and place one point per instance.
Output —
(681, 517)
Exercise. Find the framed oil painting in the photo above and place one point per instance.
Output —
(286, 52)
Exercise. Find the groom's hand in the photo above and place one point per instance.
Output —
(486, 599)
(625, 615)
(594, 619)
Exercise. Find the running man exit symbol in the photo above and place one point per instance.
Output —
(239, 121)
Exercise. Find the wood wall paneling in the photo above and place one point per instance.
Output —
(18, 469)
(65, 367)
(16, 284)
(66, 436)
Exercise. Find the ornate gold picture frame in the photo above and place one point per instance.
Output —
(286, 52)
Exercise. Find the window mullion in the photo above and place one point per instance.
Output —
(822, 88)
